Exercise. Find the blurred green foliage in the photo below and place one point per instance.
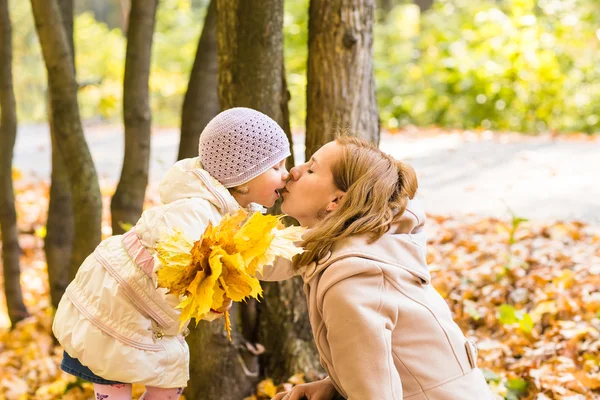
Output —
(522, 65)
(519, 65)
(100, 63)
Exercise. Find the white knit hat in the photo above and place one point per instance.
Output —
(239, 144)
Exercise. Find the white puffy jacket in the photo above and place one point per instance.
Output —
(112, 317)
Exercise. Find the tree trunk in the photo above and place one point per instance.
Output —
(87, 202)
(384, 5)
(201, 102)
(124, 8)
(11, 251)
(58, 243)
(285, 118)
(286, 333)
(128, 200)
(341, 88)
(283, 315)
(220, 369)
(251, 73)
(250, 69)
(424, 5)
(250, 40)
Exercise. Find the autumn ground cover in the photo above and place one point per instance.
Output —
(526, 291)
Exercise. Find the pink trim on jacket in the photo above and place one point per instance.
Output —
(138, 253)
(140, 300)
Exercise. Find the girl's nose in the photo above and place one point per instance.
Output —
(285, 175)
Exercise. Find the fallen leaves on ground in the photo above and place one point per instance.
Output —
(527, 292)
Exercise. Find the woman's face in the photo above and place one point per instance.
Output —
(310, 193)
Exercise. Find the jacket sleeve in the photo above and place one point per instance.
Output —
(190, 216)
(359, 335)
(281, 270)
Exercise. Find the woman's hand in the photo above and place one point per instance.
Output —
(226, 305)
(218, 313)
(319, 390)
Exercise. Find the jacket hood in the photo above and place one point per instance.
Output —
(403, 246)
(188, 179)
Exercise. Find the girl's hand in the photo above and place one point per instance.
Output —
(319, 390)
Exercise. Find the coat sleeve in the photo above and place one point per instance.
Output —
(190, 217)
(359, 327)
(281, 270)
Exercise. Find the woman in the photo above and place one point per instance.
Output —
(382, 330)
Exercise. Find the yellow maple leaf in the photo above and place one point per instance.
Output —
(227, 228)
(199, 299)
(282, 245)
(238, 285)
(173, 251)
(267, 388)
(255, 233)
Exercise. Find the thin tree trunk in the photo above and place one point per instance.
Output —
(424, 5)
(285, 118)
(125, 7)
(201, 102)
(11, 251)
(87, 203)
(58, 243)
(384, 5)
(341, 88)
(128, 200)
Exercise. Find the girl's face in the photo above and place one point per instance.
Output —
(311, 192)
(264, 188)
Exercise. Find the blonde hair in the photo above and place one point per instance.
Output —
(377, 189)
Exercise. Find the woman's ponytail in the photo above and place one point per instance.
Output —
(407, 180)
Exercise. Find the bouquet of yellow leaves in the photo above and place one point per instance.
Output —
(223, 263)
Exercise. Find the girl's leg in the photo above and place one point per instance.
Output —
(154, 393)
(117, 391)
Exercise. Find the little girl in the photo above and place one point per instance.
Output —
(116, 326)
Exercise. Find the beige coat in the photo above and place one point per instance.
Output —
(382, 331)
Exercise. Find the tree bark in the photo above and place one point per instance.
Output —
(340, 86)
(128, 200)
(252, 74)
(285, 118)
(11, 251)
(250, 40)
(124, 8)
(250, 70)
(220, 369)
(58, 243)
(87, 203)
(201, 102)
(424, 5)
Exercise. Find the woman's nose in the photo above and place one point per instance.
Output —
(294, 173)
